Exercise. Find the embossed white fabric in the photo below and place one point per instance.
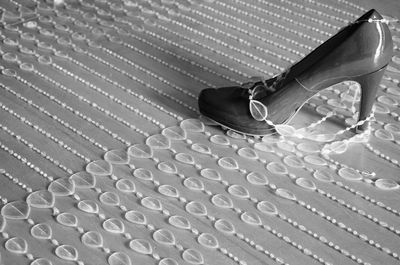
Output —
(104, 159)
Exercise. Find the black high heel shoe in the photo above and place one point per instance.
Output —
(359, 52)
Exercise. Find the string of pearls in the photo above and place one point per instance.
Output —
(15, 180)
(122, 32)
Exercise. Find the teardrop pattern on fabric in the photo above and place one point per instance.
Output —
(248, 153)
(168, 261)
(359, 138)
(277, 168)
(228, 163)
(41, 199)
(41, 231)
(117, 156)
(264, 147)
(158, 141)
(380, 108)
(136, 217)
(324, 176)
(67, 252)
(338, 147)
(194, 184)
(309, 147)
(336, 103)
(67, 219)
(193, 256)
(92, 239)
(239, 191)
(143, 174)
(225, 226)
(164, 236)
(222, 201)
(286, 194)
(325, 109)
(350, 174)
(208, 240)
(169, 191)
(174, 133)
(114, 225)
(285, 130)
(315, 160)
(293, 161)
(83, 180)
(256, 178)
(109, 198)
(210, 174)
(184, 158)
(393, 90)
(250, 218)
(141, 246)
(201, 148)
(140, 151)
(16, 245)
(384, 135)
(219, 139)
(306, 183)
(322, 138)
(179, 222)
(270, 139)
(62, 187)
(192, 125)
(99, 168)
(387, 100)
(392, 128)
(167, 167)
(267, 207)
(41, 261)
(26, 67)
(196, 208)
(151, 203)
(119, 258)
(125, 185)
(44, 59)
(386, 184)
(286, 146)
(9, 72)
(88, 206)
(10, 57)
(16, 210)
(235, 135)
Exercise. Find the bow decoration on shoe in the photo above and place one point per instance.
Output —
(257, 86)
(257, 109)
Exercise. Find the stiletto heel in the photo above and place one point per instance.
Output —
(359, 52)
(369, 86)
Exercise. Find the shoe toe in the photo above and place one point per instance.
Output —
(229, 107)
(217, 103)
(207, 99)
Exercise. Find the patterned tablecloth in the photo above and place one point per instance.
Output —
(104, 159)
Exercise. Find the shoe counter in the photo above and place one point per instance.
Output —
(106, 158)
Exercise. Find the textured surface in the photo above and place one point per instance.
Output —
(103, 159)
